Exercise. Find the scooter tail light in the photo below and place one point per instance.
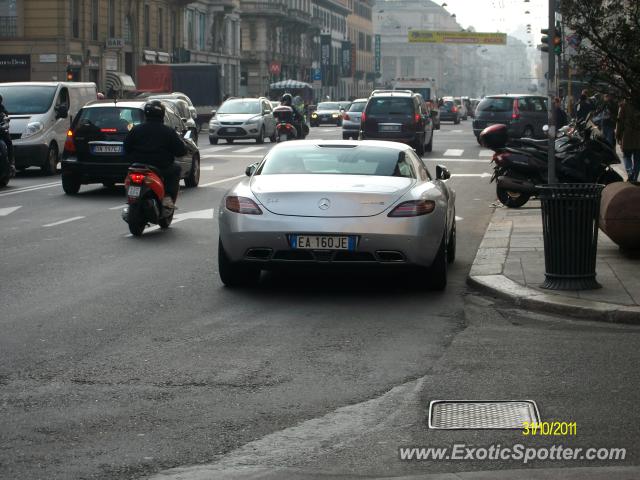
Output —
(69, 143)
(347, 117)
(137, 178)
(416, 118)
(516, 110)
(242, 205)
(413, 208)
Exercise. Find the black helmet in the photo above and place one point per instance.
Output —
(154, 109)
(286, 99)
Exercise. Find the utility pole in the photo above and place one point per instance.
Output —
(551, 92)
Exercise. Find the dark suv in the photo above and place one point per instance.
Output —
(397, 115)
(524, 115)
(94, 153)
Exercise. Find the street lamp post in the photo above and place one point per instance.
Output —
(551, 91)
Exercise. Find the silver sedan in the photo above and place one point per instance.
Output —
(335, 203)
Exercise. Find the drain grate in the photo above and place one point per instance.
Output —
(468, 414)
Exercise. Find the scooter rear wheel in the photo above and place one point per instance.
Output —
(136, 222)
(512, 199)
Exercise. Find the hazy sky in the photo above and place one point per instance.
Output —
(506, 16)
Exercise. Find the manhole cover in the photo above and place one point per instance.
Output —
(467, 414)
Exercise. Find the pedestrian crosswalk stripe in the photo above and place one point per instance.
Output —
(485, 153)
(453, 152)
(248, 149)
(8, 210)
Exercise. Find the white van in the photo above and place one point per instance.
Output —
(41, 113)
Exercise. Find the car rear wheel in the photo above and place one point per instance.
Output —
(511, 199)
(451, 247)
(213, 141)
(193, 178)
(70, 185)
(429, 146)
(419, 146)
(235, 274)
(438, 269)
(51, 163)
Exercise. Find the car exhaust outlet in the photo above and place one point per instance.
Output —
(516, 185)
(390, 256)
(258, 254)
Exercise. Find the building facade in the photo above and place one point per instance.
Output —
(86, 40)
(211, 34)
(361, 38)
(277, 43)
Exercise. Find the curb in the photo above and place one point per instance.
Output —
(505, 288)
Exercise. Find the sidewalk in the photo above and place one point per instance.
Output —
(510, 264)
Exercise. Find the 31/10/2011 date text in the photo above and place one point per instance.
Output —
(548, 429)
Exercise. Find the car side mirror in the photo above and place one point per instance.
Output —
(250, 169)
(62, 111)
(442, 173)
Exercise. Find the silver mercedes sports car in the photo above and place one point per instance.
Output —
(332, 203)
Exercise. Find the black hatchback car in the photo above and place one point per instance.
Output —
(397, 115)
(94, 152)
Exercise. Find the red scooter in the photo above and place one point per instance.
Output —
(285, 129)
(145, 191)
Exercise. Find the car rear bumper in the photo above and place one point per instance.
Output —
(390, 136)
(265, 239)
(235, 132)
(94, 172)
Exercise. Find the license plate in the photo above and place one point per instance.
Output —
(106, 149)
(232, 130)
(389, 128)
(323, 242)
(133, 191)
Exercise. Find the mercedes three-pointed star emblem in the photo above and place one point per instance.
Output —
(324, 203)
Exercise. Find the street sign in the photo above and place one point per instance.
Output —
(115, 43)
(377, 53)
(428, 36)
(317, 74)
(274, 68)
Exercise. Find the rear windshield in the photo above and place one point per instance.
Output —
(27, 99)
(240, 106)
(329, 106)
(491, 104)
(113, 119)
(447, 106)
(357, 107)
(390, 106)
(360, 160)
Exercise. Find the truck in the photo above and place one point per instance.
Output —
(198, 81)
(423, 86)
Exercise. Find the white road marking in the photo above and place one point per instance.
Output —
(457, 131)
(214, 147)
(222, 181)
(481, 175)
(470, 160)
(458, 219)
(247, 149)
(453, 152)
(72, 219)
(30, 188)
(119, 207)
(8, 210)
(485, 153)
(206, 168)
(232, 156)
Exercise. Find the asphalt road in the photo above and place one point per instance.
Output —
(121, 357)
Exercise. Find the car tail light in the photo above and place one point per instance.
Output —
(417, 118)
(347, 117)
(501, 158)
(363, 117)
(454, 109)
(242, 205)
(413, 208)
(516, 109)
(69, 144)
(137, 177)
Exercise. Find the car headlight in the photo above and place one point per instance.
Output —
(32, 129)
(314, 115)
(335, 115)
(214, 123)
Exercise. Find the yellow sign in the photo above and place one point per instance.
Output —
(428, 36)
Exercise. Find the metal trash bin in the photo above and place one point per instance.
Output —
(570, 214)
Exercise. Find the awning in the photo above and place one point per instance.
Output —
(164, 57)
(120, 81)
(149, 55)
(289, 84)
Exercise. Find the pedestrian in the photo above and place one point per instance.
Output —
(560, 114)
(606, 118)
(628, 136)
(584, 107)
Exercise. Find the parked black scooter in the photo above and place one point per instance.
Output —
(582, 156)
(7, 171)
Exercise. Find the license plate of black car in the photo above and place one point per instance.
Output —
(389, 128)
(323, 242)
(106, 149)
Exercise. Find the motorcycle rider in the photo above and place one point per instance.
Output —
(5, 136)
(297, 120)
(153, 143)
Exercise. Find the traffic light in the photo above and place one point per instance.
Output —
(70, 75)
(557, 40)
(545, 39)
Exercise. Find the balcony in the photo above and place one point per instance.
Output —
(269, 8)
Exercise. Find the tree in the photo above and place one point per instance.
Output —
(609, 51)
